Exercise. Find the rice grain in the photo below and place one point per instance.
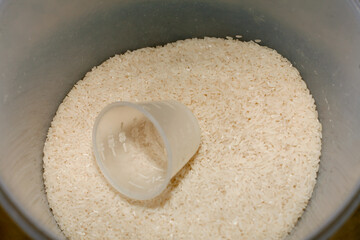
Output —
(253, 174)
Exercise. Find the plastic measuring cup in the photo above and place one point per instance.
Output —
(139, 147)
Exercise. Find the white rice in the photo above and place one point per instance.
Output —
(254, 172)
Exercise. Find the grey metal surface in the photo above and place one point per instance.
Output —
(46, 46)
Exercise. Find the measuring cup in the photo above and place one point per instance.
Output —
(139, 147)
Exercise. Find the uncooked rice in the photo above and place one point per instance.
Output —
(253, 174)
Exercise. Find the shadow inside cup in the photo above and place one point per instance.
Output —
(167, 194)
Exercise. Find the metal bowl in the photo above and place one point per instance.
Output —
(46, 46)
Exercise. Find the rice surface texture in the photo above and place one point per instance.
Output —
(253, 174)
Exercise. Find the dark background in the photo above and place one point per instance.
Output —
(9, 230)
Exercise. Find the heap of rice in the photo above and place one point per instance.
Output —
(254, 172)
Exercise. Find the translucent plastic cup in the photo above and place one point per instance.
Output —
(139, 147)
